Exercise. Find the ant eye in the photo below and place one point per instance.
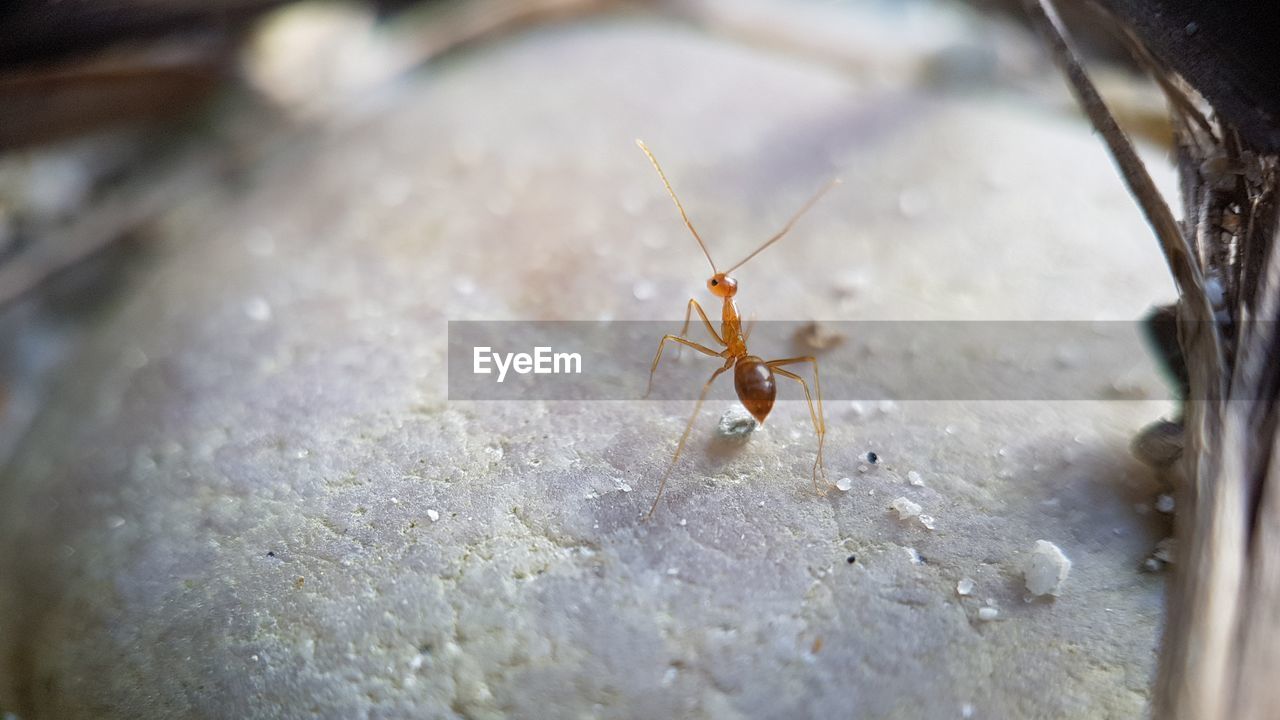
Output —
(715, 282)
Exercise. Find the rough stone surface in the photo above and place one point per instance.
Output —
(253, 498)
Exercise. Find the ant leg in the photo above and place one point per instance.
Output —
(663, 343)
(688, 427)
(818, 417)
(688, 314)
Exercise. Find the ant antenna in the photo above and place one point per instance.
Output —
(787, 228)
(696, 236)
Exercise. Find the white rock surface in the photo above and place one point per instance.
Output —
(262, 568)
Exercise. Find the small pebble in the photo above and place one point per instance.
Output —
(927, 521)
(433, 515)
(1159, 444)
(987, 614)
(844, 484)
(914, 478)
(871, 457)
(965, 586)
(1164, 503)
(1045, 569)
(736, 424)
(905, 508)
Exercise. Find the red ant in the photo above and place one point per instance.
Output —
(753, 378)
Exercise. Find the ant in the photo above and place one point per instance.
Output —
(753, 377)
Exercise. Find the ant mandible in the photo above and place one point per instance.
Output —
(753, 377)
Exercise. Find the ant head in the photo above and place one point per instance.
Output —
(721, 285)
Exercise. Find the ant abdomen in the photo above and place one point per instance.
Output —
(753, 380)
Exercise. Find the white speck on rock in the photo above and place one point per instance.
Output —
(966, 710)
(464, 285)
(257, 309)
(927, 521)
(964, 586)
(844, 484)
(914, 556)
(643, 290)
(914, 478)
(987, 614)
(433, 515)
(905, 508)
(1046, 569)
(1164, 503)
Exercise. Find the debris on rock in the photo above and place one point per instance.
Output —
(844, 484)
(1164, 503)
(817, 336)
(1046, 569)
(914, 478)
(1161, 557)
(905, 508)
(1159, 444)
(988, 613)
(736, 424)
(964, 586)
(908, 509)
